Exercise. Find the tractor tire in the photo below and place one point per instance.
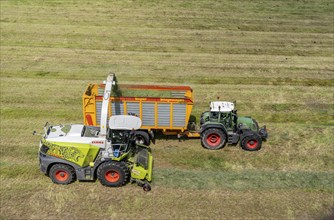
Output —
(62, 174)
(113, 174)
(251, 142)
(141, 137)
(213, 139)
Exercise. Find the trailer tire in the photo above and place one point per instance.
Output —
(113, 174)
(142, 137)
(213, 139)
(62, 174)
(251, 142)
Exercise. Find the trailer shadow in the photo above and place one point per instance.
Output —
(160, 136)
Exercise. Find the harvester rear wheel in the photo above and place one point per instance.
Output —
(113, 174)
(213, 139)
(62, 174)
(251, 142)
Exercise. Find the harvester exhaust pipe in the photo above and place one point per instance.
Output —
(105, 105)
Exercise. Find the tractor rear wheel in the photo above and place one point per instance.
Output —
(62, 174)
(213, 139)
(113, 174)
(251, 142)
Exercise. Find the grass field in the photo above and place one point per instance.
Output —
(275, 58)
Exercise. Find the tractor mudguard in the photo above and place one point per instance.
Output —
(207, 126)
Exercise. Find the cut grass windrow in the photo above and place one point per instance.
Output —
(244, 180)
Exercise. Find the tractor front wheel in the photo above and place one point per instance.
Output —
(213, 139)
(113, 174)
(62, 174)
(252, 142)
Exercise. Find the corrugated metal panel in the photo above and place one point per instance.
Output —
(179, 115)
(148, 114)
(100, 91)
(133, 107)
(117, 108)
(98, 112)
(163, 114)
(178, 94)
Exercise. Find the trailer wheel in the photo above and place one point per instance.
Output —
(213, 139)
(62, 174)
(142, 137)
(251, 142)
(113, 174)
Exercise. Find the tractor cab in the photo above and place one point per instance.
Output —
(221, 113)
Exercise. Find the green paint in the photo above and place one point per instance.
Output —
(139, 172)
(247, 123)
(226, 120)
(66, 129)
(80, 154)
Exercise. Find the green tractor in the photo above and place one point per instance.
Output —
(221, 125)
(107, 153)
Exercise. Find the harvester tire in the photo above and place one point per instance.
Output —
(146, 187)
(213, 139)
(113, 174)
(142, 137)
(251, 142)
(62, 174)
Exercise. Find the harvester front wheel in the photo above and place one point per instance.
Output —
(252, 142)
(113, 174)
(213, 139)
(62, 174)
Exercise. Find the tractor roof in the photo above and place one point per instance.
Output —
(219, 106)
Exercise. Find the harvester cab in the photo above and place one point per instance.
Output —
(222, 125)
(108, 153)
